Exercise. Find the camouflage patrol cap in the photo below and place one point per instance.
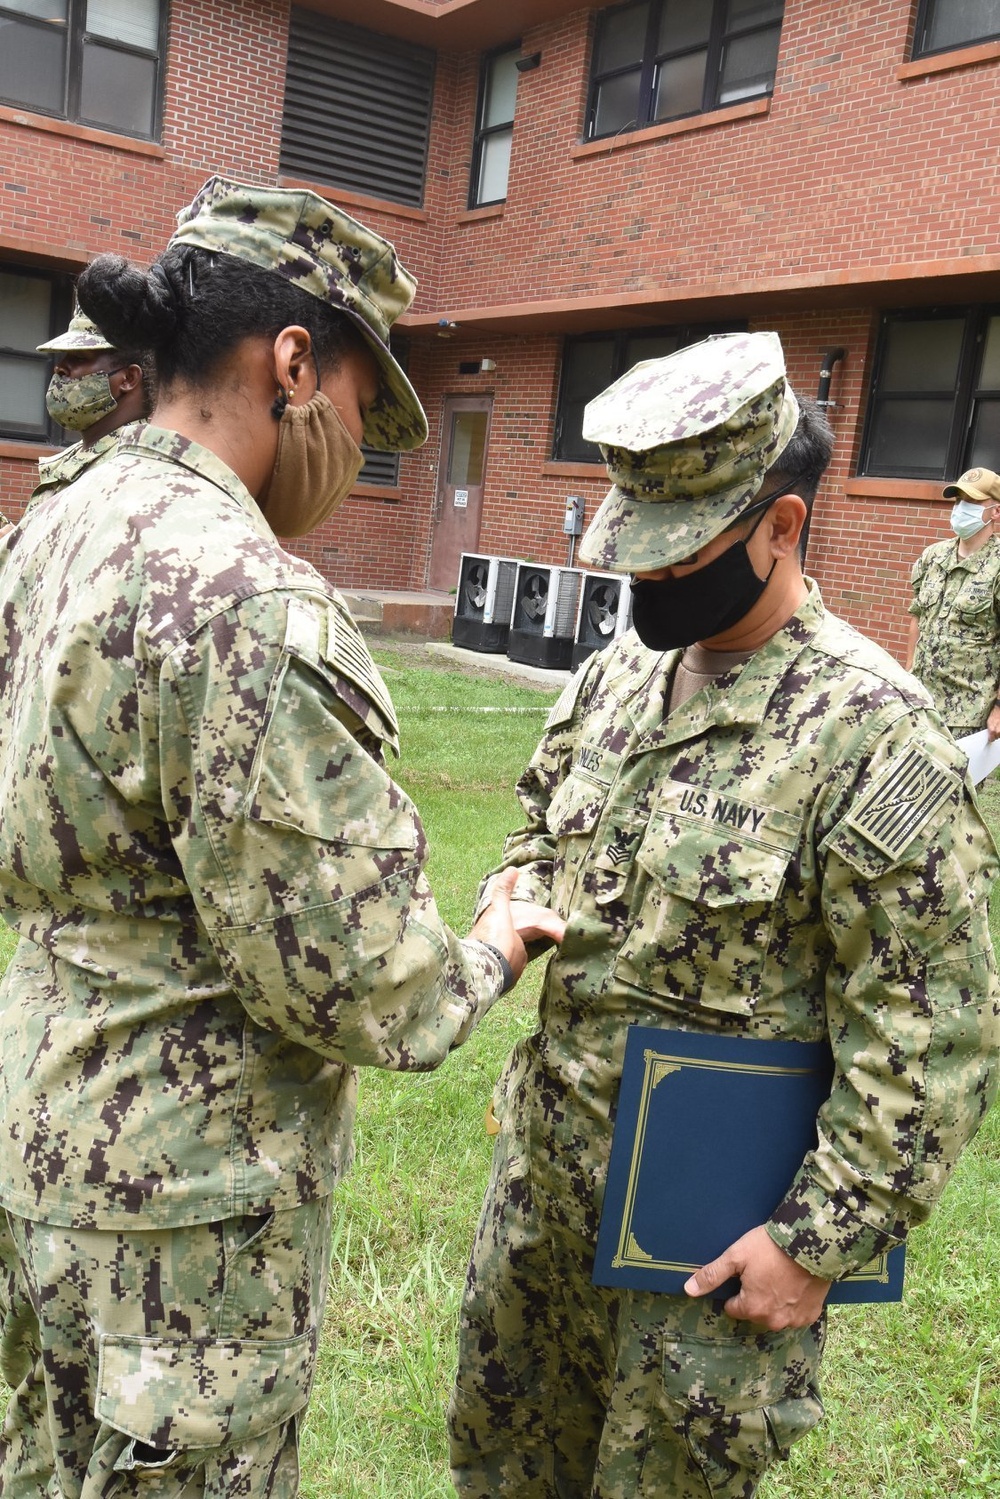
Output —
(980, 485)
(81, 334)
(322, 250)
(687, 440)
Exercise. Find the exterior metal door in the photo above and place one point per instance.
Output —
(459, 501)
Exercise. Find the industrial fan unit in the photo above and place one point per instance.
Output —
(605, 612)
(484, 602)
(543, 625)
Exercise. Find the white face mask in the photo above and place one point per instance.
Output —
(967, 519)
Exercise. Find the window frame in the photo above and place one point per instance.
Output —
(484, 132)
(620, 338)
(921, 29)
(966, 390)
(77, 38)
(651, 62)
(60, 312)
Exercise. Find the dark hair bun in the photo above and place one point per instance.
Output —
(131, 306)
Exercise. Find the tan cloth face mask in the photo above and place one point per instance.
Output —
(315, 467)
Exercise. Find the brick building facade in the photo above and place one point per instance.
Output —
(581, 184)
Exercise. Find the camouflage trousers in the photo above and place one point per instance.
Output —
(159, 1364)
(567, 1390)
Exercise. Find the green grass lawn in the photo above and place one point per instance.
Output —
(912, 1390)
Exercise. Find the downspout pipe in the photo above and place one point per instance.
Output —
(830, 358)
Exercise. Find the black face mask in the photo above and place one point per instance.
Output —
(673, 612)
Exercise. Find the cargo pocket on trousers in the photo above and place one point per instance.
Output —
(177, 1397)
(738, 1405)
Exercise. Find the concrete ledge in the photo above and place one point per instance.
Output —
(487, 661)
(425, 616)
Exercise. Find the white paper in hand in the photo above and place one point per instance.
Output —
(983, 753)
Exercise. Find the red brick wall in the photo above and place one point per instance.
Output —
(852, 167)
(861, 550)
(852, 174)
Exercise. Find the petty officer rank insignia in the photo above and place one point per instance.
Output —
(902, 801)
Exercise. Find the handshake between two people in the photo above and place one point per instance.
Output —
(508, 924)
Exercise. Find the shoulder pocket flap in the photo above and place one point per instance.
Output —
(576, 806)
(187, 1395)
(310, 774)
(711, 865)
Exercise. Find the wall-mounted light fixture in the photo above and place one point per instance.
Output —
(525, 64)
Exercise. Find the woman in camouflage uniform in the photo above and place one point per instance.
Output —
(218, 889)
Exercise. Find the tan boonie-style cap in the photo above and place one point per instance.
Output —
(81, 334)
(687, 440)
(979, 484)
(322, 250)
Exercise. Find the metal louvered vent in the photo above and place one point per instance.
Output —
(379, 467)
(357, 109)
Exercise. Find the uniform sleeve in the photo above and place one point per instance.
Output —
(303, 858)
(532, 849)
(911, 1002)
(916, 578)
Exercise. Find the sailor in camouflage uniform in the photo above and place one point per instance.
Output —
(95, 390)
(770, 835)
(954, 645)
(217, 886)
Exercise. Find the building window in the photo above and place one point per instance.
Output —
(945, 24)
(934, 409)
(592, 361)
(34, 307)
(357, 109)
(494, 127)
(97, 62)
(662, 59)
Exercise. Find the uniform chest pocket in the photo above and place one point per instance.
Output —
(705, 912)
(974, 608)
(576, 806)
(571, 817)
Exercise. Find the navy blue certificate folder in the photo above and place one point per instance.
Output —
(710, 1132)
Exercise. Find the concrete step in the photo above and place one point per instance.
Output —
(424, 615)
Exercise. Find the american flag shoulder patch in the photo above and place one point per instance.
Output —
(902, 801)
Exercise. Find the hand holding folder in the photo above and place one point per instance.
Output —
(709, 1135)
(774, 1291)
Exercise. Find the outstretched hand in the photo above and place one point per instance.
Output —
(508, 924)
(775, 1291)
(533, 922)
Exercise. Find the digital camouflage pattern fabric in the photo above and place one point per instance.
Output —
(175, 1361)
(793, 853)
(957, 603)
(322, 250)
(687, 440)
(62, 468)
(218, 889)
(82, 334)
